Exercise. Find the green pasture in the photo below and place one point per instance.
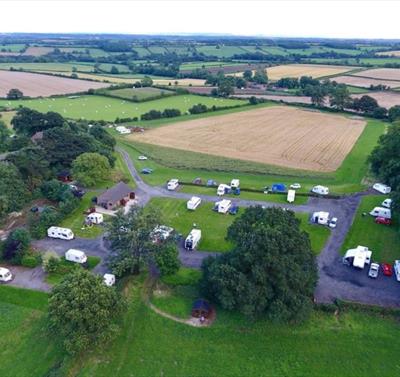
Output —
(138, 94)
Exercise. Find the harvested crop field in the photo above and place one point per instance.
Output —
(277, 135)
(364, 82)
(389, 53)
(385, 99)
(272, 97)
(36, 85)
(381, 74)
(298, 70)
(38, 51)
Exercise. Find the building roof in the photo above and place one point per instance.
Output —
(114, 194)
(201, 304)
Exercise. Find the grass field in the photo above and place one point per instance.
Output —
(381, 239)
(186, 166)
(56, 67)
(221, 52)
(98, 107)
(277, 135)
(139, 94)
(6, 117)
(199, 65)
(11, 47)
(214, 225)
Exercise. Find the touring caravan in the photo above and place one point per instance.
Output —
(109, 279)
(383, 189)
(193, 203)
(235, 183)
(5, 274)
(291, 196)
(223, 206)
(61, 233)
(381, 212)
(95, 218)
(321, 218)
(172, 184)
(193, 239)
(358, 257)
(76, 256)
(320, 190)
(223, 189)
(387, 203)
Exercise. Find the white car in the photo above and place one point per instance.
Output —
(373, 270)
(5, 274)
(333, 222)
(295, 186)
(142, 158)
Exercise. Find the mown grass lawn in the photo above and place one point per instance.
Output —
(383, 240)
(214, 225)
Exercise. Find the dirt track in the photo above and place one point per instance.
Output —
(277, 135)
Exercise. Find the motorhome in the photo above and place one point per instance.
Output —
(193, 203)
(381, 212)
(291, 196)
(358, 257)
(193, 239)
(172, 184)
(61, 233)
(76, 256)
(382, 188)
(95, 218)
(320, 190)
(223, 206)
(321, 218)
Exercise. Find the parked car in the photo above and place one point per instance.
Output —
(142, 158)
(333, 222)
(373, 270)
(387, 269)
(383, 220)
(295, 186)
(234, 210)
(147, 171)
(5, 274)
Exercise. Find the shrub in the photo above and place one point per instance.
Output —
(50, 261)
(30, 261)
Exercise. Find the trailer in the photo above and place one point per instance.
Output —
(61, 233)
(382, 188)
(172, 184)
(193, 239)
(320, 190)
(193, 203)
(358, 257)
(95, 218)
(321, 218)
(223, 206)
(76, 256)
(291, 196)
(381, 212)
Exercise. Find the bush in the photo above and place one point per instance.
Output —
(16, 245)
(50, 261)
(30, 261)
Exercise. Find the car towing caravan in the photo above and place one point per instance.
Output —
(61, 233)
(193, 239)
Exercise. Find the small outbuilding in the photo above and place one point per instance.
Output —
(201, 308)
(115, 196)
(64, 176)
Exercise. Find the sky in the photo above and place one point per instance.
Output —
(285, 18)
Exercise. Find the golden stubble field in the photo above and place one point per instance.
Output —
(277, 135)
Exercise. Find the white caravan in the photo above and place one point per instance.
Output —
(397, 269)
(223, 206)
(222, 188)
(387, 203)
(5, 274)
(61, 233)
(123, 130)
(193, 239)
(109, 279)
(381, 212)
(193, 203)
(95, 218)
(172, 184)
(76, 256)
(235, 183)
(358, 257)
(321, 218)
(291, 196)
(320, 190)
(383, 189)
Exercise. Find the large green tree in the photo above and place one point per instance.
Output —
(14, 94)
(167, 258)
(4, 137)
(271, 271)
(90, 168)
(82, 309)
(339, 97)
(130, 237)
(260, 77)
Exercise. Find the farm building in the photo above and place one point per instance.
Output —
(116, 196)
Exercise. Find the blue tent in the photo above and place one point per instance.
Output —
(278, 187)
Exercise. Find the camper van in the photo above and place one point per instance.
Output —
(61, 233)
(5, 274)
(321, 218)
(193, 239)
(223, 189)
(223, 206)
(193, 203)
(95, 218)
(358, 257)
(109, 280)
(381, 212)
(172, 184)
(76, 256)
(387, 203)
(291, 196)
(320, 190)
(383, 189)
(235, 183)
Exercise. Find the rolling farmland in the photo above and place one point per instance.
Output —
(139, 94)
(385, 98)
(277, 135)
(381, 73)
(365, 82)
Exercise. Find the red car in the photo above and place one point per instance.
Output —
(383, 220)
(387, 269)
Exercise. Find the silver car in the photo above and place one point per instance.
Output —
(373, 270)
